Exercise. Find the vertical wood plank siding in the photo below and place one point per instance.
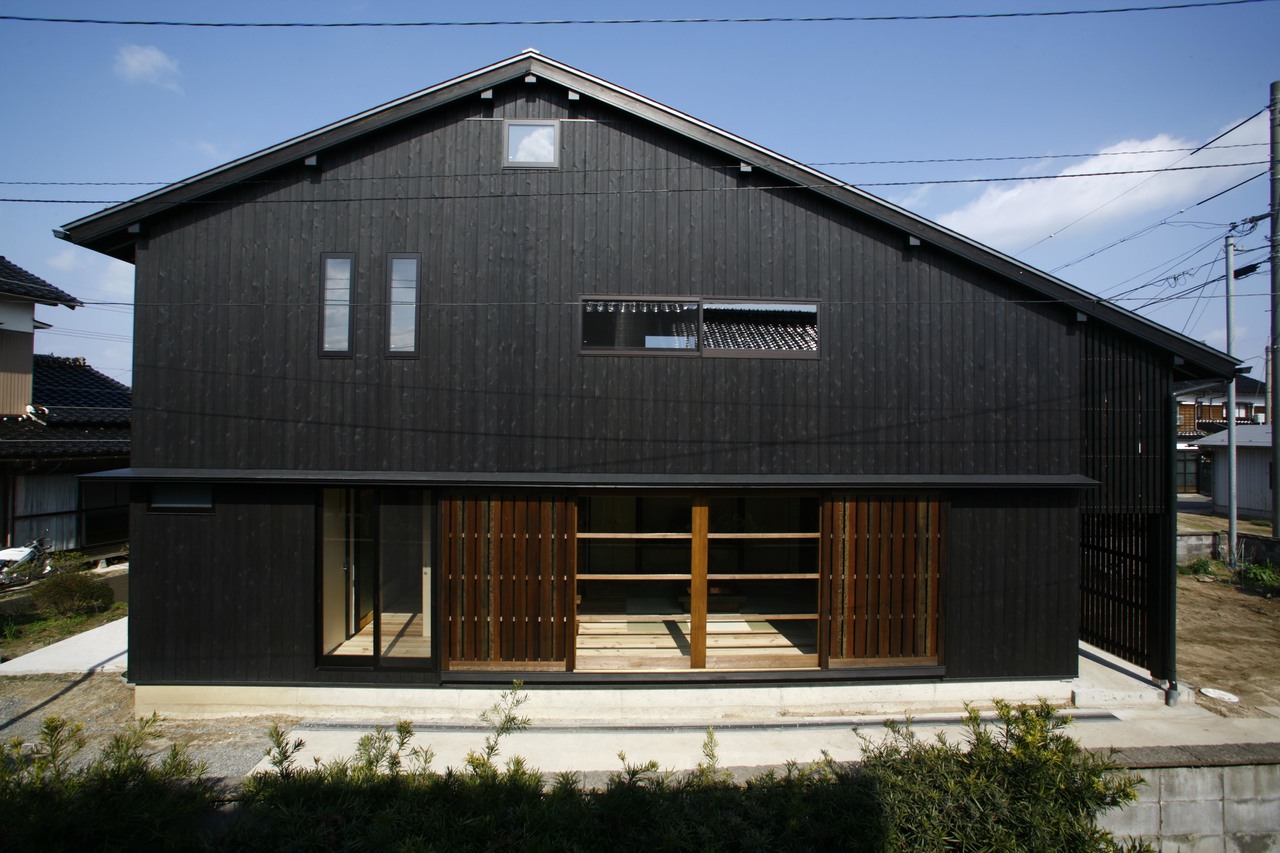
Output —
(882, 560)
(928, 365)
(1126, 524)
(508, 590)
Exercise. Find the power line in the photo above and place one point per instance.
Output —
(827, 19)
(931, 160)
(1172, 167)
(673, 190)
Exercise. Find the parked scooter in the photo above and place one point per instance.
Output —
(24, 563)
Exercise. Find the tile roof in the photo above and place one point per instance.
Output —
(15, 281)
(77, 412)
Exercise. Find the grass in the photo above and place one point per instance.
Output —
(25, 632)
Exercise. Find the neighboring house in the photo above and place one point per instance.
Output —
(1202, 411)
(527, 375)
(1253, 470)
(58, 418)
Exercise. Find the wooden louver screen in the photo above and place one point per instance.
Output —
(507, 565)
(882, 561)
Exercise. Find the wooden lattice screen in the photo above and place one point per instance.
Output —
(507, 567)
(882, 561)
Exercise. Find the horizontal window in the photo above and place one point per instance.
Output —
(181, 497)
(709, 327)
(760, 326)
(612, 324)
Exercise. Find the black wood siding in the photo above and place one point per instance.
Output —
(1012, 585)
(928, 364)
(230, 596)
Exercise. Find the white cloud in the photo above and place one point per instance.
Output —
(117, 278)
(138, 63)
(66, 261)
(1011, 218)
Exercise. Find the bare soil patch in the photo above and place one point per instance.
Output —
(1228, 638)
(103, 704)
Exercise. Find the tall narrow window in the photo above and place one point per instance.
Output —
(335, 333)
(402, 304)
(533, 143)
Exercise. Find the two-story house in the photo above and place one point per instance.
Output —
(528, 375)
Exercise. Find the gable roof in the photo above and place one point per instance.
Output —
(114, 231)
(15, 281)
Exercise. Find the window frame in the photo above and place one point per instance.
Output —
(325, 258)
(181, 507)
(732, 352)
(509, 123)
(678, 352)
(412, 352)
(701, 350)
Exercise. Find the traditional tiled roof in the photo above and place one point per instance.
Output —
(73, 392)
(763, 330)
(76, 412)
(15, 281)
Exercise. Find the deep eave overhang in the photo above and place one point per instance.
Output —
(641, 482)
(108, 231)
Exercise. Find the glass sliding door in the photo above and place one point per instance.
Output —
(375, 575)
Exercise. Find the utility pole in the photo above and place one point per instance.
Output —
(1273, 389)
(1232, 507)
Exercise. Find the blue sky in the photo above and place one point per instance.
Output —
(86, 103)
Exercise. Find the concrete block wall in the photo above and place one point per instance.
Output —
(1225, 809)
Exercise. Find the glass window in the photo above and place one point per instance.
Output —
(182, 497)
(402, 304)
(760, 326)
(635, 324)
(335, 336)
(533, 143)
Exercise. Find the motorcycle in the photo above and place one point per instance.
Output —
(24, 563)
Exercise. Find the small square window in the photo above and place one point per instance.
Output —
(532, 143)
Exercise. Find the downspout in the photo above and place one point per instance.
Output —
(1171, 564)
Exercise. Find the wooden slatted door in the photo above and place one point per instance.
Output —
(881, 559)
(507, 565)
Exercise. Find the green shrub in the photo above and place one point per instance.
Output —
(1264, 579)
(61, 562)
(1019, 784)
(1198, 566)
(128, 798)
(72, 594)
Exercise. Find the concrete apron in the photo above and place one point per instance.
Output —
(584, 728)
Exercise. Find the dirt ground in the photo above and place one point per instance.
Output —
(1229, 639)
(103, 704)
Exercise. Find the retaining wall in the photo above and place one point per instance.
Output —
(1206, 798)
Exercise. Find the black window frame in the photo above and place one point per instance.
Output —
(679, 352)
(416, 257)
(325, 258)
(181, 507)
(508, 123)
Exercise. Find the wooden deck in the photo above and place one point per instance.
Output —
(734, 641)
(401, 638)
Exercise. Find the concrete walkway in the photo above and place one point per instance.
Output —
(103, 649)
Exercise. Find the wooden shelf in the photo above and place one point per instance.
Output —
(629, 537)
(592, 576)
(814, 535)
(758, 617)
(764, 576)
